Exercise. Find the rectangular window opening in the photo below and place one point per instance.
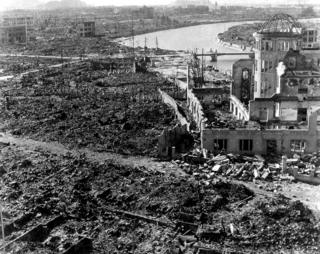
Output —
(298, 146)
(245, 145)
(302, 114)
(220, 144)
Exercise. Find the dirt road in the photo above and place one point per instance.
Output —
(59, 149)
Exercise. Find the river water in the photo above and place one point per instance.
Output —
(192, 38)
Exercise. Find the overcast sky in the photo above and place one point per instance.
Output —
(4, 4)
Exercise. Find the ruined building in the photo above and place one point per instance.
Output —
(14, 30)
(276, 95)
(13, 34)
(310, 39)
(87, 29)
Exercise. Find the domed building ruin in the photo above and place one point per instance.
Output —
(278, 91)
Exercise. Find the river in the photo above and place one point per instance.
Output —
(192, 38)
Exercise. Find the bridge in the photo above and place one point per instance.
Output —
(214, 55)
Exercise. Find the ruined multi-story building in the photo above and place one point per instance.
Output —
(276, 95)
(310, 39)
(87, 29)
(13, 34)
(14, 29)
(17, 20)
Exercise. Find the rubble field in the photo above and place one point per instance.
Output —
(88, 106)
(11, 65)
(62, 46)
(70, 204)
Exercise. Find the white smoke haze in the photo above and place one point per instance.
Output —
(281, 68)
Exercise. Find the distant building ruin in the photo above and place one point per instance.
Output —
(310, 39)
(17, 20)
(87, 29)
(14, 30)
(16, 34)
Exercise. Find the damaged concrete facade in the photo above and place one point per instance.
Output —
(14, 30)
(257, 141)
(275, 97)
(13, 34)
(310, 39)
(286, 82)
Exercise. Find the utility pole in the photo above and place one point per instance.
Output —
(25, 22)
(157, 44)
(132, 33)
(133, 56)
(145, 45)
(202, 78)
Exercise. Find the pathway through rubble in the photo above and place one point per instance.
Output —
(59, 149)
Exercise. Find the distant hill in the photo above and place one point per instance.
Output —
(63, 4)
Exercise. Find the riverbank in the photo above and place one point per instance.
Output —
(242, 35)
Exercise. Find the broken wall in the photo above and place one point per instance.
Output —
(195, 108)
(172, 140)
(181, 83)
(238, 109)
(308, 86)
(167, 99)
(283, 110)
(254, 141)
(261, 110)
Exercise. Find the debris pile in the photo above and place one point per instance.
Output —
(238, 167)
(57, 204)
(222, 119)
(269, 169)
(306, 164)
